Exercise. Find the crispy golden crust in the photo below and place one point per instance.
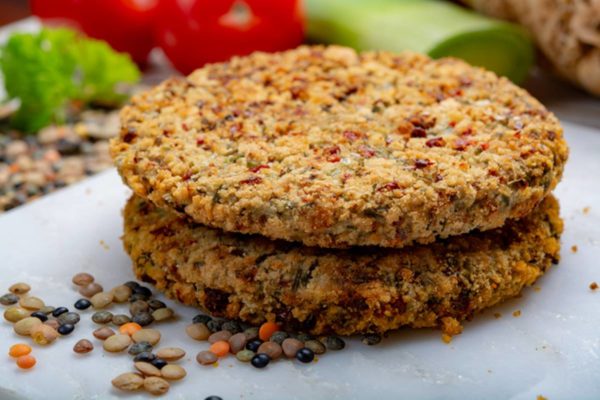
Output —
(333, 149)
(320, 291)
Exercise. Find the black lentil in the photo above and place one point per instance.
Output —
(201, 319)
(146, 356)
(66, 329)
(305, 355)
(142, 290)
(131, 284)
(40, 315)
(82, 304)
(260, 360)
(9, 299)
(159, 363)
(253, 345)
(279, 336)
(334, 343)
(69, 318)
(141, 347)
(58, 311)
(213, 398)
(371, 339)
(143, 318)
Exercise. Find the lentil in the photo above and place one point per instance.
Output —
(316, 346)
(231, 326)
(237, 342)
(334, 343)
(19, 288)
(141, 347)
(206, 358)
(170, 353)
(291, 346)
(143, 319)
(82, 279)
(245, 355)
(69, 318)
(279, 336)
(82, 304)
(43, 334)
(83, 346)
(162, 314)
(116, 343)
(156, 386)
(272, 349)
(103, 333)
(219, 336)
(120, 319)
(39, 315)
(130, 329)
(31, 303)
(66, 329)
(371, 339)
(26, 362)
(198, 331)
(146, 368)
(201, 319)
(131, 284)
(145, 356)
(151, 336)
(46, 310)
(173, 372)
(58, 311)
(220, 348)
(128, 381)
(156, 304)
(52, 323)
(142, 290)
(260, 360)
(266, 330)
(213, 398)
(159, 363)
(214, 325)
(15, 314)
(305, 355)
(138, 306)
(253, 345)
(121, 293)
(9, 299)
(251, 333)
(136, 297)
(19, 349)
(102, 317)
(101, 300)
(26, 325)
(303, 337)
(90, 290)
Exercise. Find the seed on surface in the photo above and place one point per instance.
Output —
(201, 319)
(141, 347)
(116, 343)
(52, 323)
(130, 328)
(279, 336)
(231, 326)
(272, 349)
(120, 319)
(291, 346)
(82, 279)
(9, 299)
(156, 304)
(145, 357)
(15, 314)
(146, 368)
(305, 355)
(121, 293)
(102, 317)
(251, 333)
(171, 353)
(260, 360)
(159, 363)
(135, 297)
(237, 342)
(266, 330)
(370, 339)
(39, 315)
(47, 310)
(206, 358)
(253, 345)
(142, 290)
(162, 314)
(58, 311)
(245, 355)
(83, 346)
(128, 381)
(173, 372)
(151, 336)
(90, 290)
(101, 300)
(316, 346)
(26, 362)
(69, 318)
(138, 306)
(19, 288)
(155, 385)
(213, 398)
(144, 319)
(214, 325)
(219, 336)
(304, 337)
(19, 349)
(334, 343)
(131, 284)
(103, 333)
(220, 348)
(26, 325)
(82, 304)
(44, 334)
(31, 303)
(198, 331)
(66, 329)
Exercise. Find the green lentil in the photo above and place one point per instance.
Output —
(144, 319)
(334, 343)
(316, 346)
(139, 347)
(278, 337)
(303, 337)
(9, 299)
(68, 318)
(251, 333)
(102, 317)
(231, 326)
(156, 304)
(371, 339)
(120, 319)
(138, 306)
(245, 355)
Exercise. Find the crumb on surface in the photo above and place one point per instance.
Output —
(497, 315)
(540, 397)
(593, 286)
(574, 248)
(537, 288)
(516, 313)
(104, 245)
(586, 210)
(446, 338)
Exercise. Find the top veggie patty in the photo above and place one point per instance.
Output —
(332, 148)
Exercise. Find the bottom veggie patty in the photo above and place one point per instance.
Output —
(357, 290)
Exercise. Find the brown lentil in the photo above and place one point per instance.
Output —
(19, 288)
(151, 336)
(146, 368)
(219, 336)
(31, 303)
(102, 317)
(120, 319)
(15, 314)
(101, 300)
(138, 306)
(116, 343)
(26, 325)
(237, 342)
(173, 372)
(170, 353)
(156, 386)
(245, 355)
(52, 323)
(162, 314)
(128, 381)
(9, 299)
(291, 346)
(198, 331)
(83, 346)
(272, 349)
(206, 358)
(90, 290)
(103, 333)
(82, 279)
(316, 346)
(121, 293)
(43, 334)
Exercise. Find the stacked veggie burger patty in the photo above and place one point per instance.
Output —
(336, 192)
